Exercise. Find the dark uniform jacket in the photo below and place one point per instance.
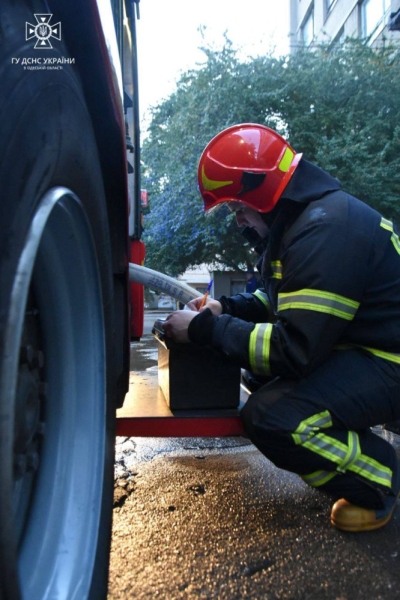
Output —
(331, 277)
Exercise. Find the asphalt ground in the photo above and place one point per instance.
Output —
(212, 518)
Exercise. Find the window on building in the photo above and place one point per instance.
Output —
(238, 286)
(329, 5)
(340, 38)
(373, 14)
(307, 29)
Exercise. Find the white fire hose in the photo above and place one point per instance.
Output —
(162, 283)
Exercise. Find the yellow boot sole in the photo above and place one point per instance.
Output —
(349, 517)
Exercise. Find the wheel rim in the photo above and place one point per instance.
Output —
(59, 524)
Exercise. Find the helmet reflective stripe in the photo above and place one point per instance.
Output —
(286, 161)
(210, 184)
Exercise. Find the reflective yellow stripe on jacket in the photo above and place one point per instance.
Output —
(346, 457)
(276, 269)
(259, 348)
(262, 297)
(325, 302)
(388, 225)
(392, 356)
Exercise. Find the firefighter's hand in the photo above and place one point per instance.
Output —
(177, 324)
(214, 305)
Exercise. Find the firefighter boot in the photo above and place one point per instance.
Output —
(350, 517)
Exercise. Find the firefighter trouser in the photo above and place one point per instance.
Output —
(319, 426)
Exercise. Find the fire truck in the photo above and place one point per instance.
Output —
(70, 233)
(69, 226)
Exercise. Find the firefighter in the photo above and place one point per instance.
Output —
(324, 330)
(251, 281)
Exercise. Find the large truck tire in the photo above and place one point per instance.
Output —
(57, 413)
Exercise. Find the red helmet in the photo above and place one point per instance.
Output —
(246, 163)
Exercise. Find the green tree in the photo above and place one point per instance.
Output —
(339, 106)
(342, 109)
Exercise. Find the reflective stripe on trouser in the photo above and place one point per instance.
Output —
(345, 457)
(318, 427)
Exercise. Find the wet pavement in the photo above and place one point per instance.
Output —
(212, 518)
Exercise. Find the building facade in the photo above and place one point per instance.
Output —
(331, 21)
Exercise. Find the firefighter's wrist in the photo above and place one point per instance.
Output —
(201, 328)
(226, 308)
